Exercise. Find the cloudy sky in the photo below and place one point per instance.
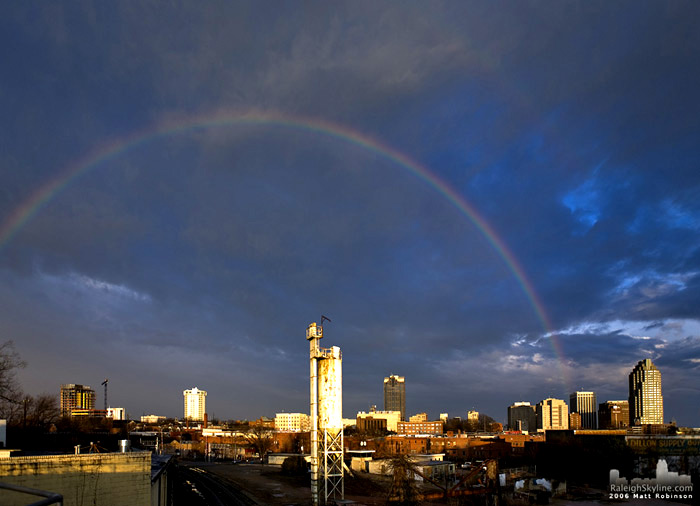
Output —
(498, 201)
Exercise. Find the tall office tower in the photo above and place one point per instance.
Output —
(646, 404)
(395, 394)
(195, 404)
(614, 414)
(552, 414)
(521, 416)
(76, 397)
(586, 405)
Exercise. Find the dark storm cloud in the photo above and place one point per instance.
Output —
(211, 250)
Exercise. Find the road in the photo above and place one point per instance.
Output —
(194, 486)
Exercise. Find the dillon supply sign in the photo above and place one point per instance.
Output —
(665, 445)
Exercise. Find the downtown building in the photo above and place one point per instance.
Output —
(522, 417)
(614, 414)
(420, 428)
(77, 400)
(378, 420)
(116, 413)
(195, 404)
(586, 405)
(552, 414)
(395, 394)
(292, 422)
(646, 403)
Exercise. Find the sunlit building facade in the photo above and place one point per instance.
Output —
(422, 427)
(392, 418)
(76, 397)
(646, 403)
(586, 405)
(195, 404)
(116, 413)
(292, 422)
(420, 417)
(552, 414)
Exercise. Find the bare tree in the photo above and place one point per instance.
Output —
(42, 410)
(10, 361)
(403, 489)
(260, 438)
(10, 393)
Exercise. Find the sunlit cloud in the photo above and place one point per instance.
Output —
(111, 289)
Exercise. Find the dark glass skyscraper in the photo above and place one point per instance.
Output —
(395, 394)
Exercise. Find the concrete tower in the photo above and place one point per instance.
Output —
(326, 393)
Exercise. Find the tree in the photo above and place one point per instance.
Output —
(403, 485)
(41, 411)
(260, 438)
(10, 393)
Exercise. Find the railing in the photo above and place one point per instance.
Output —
(51, 497)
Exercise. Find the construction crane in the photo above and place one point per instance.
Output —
(105, 385)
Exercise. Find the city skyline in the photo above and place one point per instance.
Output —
(497, 202)
(583, 403)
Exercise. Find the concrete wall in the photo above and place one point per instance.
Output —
(160, 490)
(97, 479)
(359, 464)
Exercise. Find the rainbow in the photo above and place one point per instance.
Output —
(102, 153)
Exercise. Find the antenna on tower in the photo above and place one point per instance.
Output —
(105, 384)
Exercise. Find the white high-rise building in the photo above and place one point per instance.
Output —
(195, 404)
